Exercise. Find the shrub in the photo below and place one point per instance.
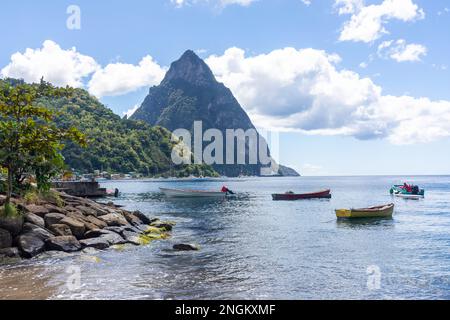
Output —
(9, 210)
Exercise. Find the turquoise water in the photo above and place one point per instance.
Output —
(256, 248)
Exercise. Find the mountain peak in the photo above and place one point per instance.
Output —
(190, 68)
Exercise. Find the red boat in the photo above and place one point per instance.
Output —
(325, 194)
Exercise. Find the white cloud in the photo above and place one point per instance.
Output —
(58, 66)
(131, 111)
(305, 91)
(367, 23)
(306, 2)
(400, 51)
(348, 6)
(121, 78)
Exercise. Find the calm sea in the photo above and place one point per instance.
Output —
(256, 248)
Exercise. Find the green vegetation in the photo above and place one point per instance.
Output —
(9, 210)
(30, 140)
(114, 144)
(35, 196)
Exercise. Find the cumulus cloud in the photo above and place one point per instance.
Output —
(348, 6)
(367, 23)
(58, 66)
(400, 51)
(130, 112)
(121, 78)
(305, 91)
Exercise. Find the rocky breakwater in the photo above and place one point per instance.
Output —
(74, 224)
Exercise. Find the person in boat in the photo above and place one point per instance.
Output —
(407, 187)
(226, 190)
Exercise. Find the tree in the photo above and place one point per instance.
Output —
(30, 142)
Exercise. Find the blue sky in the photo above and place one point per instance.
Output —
(359, 111)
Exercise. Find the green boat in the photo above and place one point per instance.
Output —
(407, 191)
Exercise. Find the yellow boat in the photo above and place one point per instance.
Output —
(384, 211)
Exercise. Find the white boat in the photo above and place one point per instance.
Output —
(409, 196)
(179, 193)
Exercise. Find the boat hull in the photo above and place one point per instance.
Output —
(325, 194)
(374, 212)
(409, 196)
(178, 193)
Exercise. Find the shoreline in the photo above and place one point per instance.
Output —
(73, 224)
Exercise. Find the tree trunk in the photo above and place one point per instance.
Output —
(9, 188)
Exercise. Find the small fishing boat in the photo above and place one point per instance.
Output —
(407, 191)
(384, 211)
(325, 194)
(180, 193)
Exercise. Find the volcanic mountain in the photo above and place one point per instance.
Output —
(188, 93)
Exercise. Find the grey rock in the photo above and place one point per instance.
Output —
(97, 243)
(131, 237)
(10, 252)
(186, 247)
(161, 225)
(77, 227)
(12, 224)
(41, 233)
(114, 220)
(63, 243)
(110, 236)
(142, 217)
(41, 211)
(99, 223)
(34, 219)
(5, 239)
(60, 229)
(30, 245)
(53, 218)
(87, 211)
(53, 208)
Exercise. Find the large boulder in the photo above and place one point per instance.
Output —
(30, 245)
(53, 218)
(99, 210)
(99, 223)
(110, 236)
(87, 211)
(53, 208)
(167, 226)
(37, 231)
(77, 227)
(41, 211)
(131, 218)
(120, 230)
(34, 219)
(133, 237)
(114, 220)
(97, 243)
(12, 224)
(10, 252)
(60, 229)
(5, 239)
(63, 243)
(142, 217)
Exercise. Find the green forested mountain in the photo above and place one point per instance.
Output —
(116, 145)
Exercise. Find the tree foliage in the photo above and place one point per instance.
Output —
(116, 145)
(30, 141)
